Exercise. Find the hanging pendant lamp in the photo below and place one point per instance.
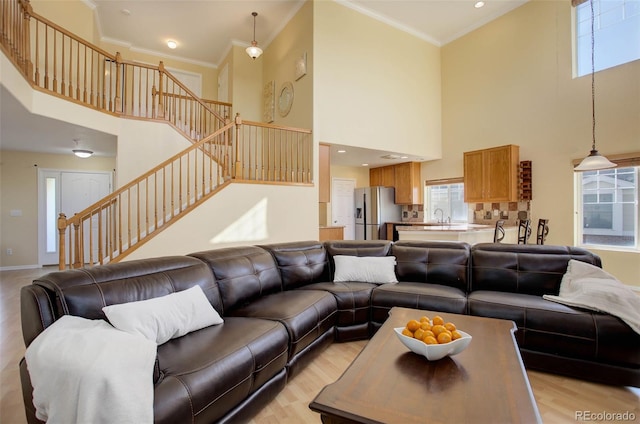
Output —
(253, 50)
(595, 160)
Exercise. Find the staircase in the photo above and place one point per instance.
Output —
(223, 151)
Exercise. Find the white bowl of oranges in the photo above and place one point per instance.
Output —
(433, 338)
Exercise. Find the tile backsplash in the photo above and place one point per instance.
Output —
(479, 213)
(489, 213)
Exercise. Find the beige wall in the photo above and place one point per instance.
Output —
(19, 191)
(374, 86)
(511, 82)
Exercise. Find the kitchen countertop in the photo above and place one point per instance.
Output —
(446, 227)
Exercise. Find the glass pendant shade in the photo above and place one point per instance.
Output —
(594, 162)
(253, 50)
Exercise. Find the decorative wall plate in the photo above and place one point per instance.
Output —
(285, 98)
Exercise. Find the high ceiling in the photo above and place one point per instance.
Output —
(205, 30)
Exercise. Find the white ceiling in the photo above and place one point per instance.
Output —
(205, 31)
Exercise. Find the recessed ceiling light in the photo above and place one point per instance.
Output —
(404, 157)
(478, 4)
(342, 151)
(365, 164)
(172, 44)
(125, 12)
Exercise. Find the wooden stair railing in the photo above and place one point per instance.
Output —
(56, 61)
(115, 226)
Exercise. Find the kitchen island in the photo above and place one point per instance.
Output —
(470, 233)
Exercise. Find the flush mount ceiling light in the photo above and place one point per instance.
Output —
(82, 153)
(478, 4)
(595, 160)
(253, 50)
(172, 44)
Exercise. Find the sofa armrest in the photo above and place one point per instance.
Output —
(36, 311)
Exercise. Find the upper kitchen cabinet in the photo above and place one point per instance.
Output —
(324, 169)
(408, 185)
(491, 175)
(383, 176)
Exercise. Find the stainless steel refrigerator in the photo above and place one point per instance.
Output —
(374, 206)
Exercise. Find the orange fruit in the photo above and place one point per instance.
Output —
(430, 340)
(407, 333)
(413, 325)
(427, 334)
(425, 325)
(444, 337)
(418, 334)
(455, 335)
(424, 319)
(437, 329)
(437, 320)
(450, 326)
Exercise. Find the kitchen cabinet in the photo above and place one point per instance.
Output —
(404, 177)
(331, 233)
(324, 169)
(409, 188)
(383, 176)
(491, 175)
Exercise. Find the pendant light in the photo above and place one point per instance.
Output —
(595, 160)
(253, 50)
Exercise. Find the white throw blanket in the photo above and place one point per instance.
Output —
(86, 371)
(588, 286)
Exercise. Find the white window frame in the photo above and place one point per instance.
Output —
(429, 209)
(579, 216)
(617, 25)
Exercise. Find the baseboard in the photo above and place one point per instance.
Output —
(18, 267)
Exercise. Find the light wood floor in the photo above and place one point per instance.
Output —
(558, 398)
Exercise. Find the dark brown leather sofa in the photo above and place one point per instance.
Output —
(281, 308)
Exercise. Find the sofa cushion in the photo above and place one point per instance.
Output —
(243, 273)
(550, 327)
(300, 263)
(84, 292)
(434, 297)
(523, 268)
(434, 262)
(353, 300)
(209, 371)
(306, 314)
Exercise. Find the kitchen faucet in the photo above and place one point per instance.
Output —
(435, 213)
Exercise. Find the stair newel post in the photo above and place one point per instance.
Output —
(160, 90)
(27, 64)
(238, 164)
(119, 77)
(62, 227)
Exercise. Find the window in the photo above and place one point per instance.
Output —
(617, 34)
(445, 201)
(608, 207)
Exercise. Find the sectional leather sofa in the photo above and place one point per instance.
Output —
(281, 308)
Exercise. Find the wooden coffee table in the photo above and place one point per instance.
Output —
(387, 383)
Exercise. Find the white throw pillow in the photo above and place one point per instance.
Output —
(367, 269)
(164, 318)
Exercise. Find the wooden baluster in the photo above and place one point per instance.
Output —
(63, 85)
(118, 98)
(84, 76)
(100, 235)
(160, 90)
(46, 57)
(62, 229)
(78, 245)
(238, 164)
(77, 70)
(70, 77)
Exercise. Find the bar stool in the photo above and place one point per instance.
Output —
(524, 231)
(543, 230)
(498, 234)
